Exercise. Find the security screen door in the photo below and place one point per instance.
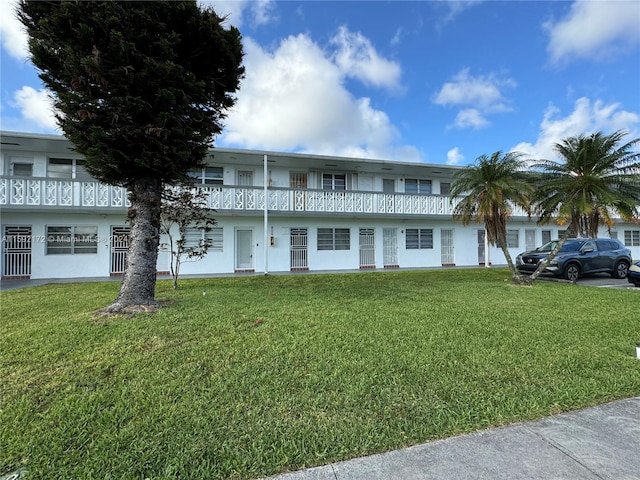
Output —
(367, 248)
(446, 247)
(16, 261)
(119, 247)
(390, 246)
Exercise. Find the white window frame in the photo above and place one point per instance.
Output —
(418, 238)
(513, 238)
(76, 170)
(69, 240)
(632, 238)
(422, 186)
(195, 235)
(208, 175)
(334, 181)
(334, 239)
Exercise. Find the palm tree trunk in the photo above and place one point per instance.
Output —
(516, 278)
(137, 292)
(551, 255)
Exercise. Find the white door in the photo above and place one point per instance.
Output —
(390, 247)
(530, 239)
(367, 248)
(447, 247)
(244, 249)
(16, 258)
(481, 252)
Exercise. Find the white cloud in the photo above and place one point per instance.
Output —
(239, 12)
(294, 99)
(594, 30)
(14, 38)
(481, 95)
(36, 106)
(587, 117)
(470, 118)
(356, 57)
(454, 157)
(455, 8)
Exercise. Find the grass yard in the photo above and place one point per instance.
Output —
(267, 374)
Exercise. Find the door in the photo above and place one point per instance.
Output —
(244, 249)
(388, 185)
(481, 249)
(119, 247)
(530, 239)
(245, 178)
(298, 181)
(16, 258)
(367, 248)
(299, 249)
(390, 247)
(447, 247)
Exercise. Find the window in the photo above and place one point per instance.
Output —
(419, 238)
(22, 169)
(417, 186)
(193, 237)
(513, 238)
(67, 168)
(334, 181)
(72, 240)
(207, 175)
(632, 238)
(334, 239)
(445, 188)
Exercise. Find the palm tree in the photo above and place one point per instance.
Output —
(491, 188)
(597, 178)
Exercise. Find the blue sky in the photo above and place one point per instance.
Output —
(437, 82)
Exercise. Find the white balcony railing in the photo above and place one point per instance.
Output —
(50, 192)
(70, 193)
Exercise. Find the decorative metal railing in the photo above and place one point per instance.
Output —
(50, 192)
(70, 193)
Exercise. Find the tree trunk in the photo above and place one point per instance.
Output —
(552, 254)
(137, 292)
(516, 278)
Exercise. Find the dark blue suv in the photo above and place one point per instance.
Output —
(579, 256)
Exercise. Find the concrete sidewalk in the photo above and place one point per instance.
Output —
(597, 443)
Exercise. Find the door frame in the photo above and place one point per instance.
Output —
(238, 268)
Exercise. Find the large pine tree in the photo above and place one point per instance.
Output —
(140, 89)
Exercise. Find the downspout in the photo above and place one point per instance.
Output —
(266, 218)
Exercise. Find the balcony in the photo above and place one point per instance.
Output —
(71, 194)
(64, 194)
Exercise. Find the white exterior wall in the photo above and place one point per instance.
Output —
(362, 176)
(45, 265)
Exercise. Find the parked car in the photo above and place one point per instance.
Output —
(633, 275)
(578, 257)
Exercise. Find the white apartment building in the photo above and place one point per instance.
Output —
(275, 212)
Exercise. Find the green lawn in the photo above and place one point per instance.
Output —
(267, 374)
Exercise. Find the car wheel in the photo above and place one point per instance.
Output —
(572, 272)
(620, 270)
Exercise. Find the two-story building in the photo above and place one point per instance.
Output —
(275, 212)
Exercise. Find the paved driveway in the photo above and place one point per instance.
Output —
(605, 280)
